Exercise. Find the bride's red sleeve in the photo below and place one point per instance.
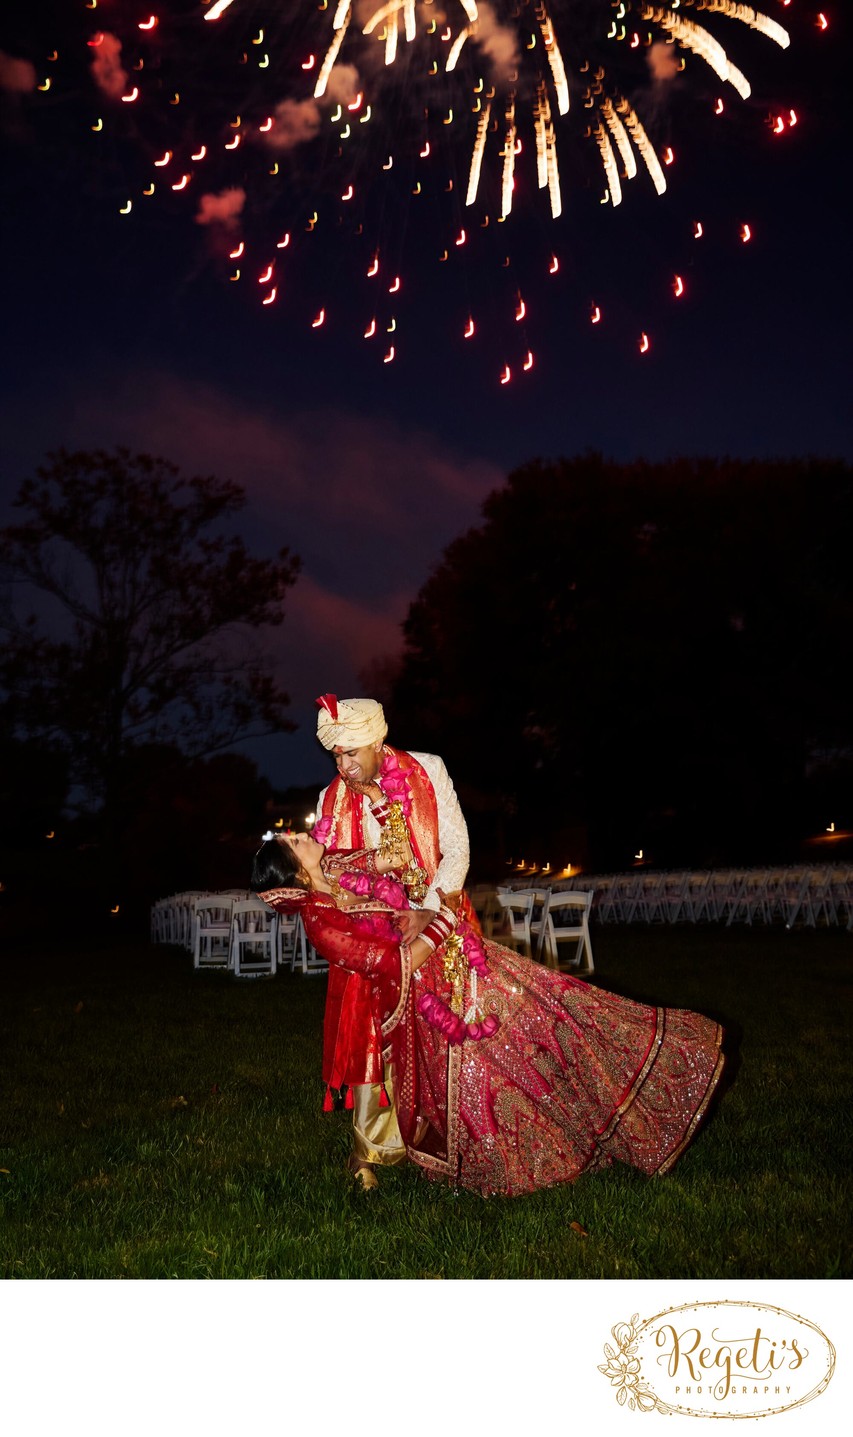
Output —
(337, 938)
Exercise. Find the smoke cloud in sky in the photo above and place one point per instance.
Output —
(662, 61)
(294, 122)
(297, 121)
(16, 76)
(222, 209)
(498, 42)
(343, 85)
(107, 70)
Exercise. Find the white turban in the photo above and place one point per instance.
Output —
(350, 723)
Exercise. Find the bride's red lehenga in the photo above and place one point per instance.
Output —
(573, 1079)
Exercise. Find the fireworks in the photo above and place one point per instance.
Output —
(379, 129)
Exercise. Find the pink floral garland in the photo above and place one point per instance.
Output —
(394, 783)
(454, 1028)
(440, 1016)
(395, 786)
(381, 887)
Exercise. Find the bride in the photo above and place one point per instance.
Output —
(508, 1076)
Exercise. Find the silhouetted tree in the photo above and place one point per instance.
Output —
(138, 617)
(650, 653)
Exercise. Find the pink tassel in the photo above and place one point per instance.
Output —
(349, 1101)
(384, 1100)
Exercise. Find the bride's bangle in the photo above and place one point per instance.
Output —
(439, 929)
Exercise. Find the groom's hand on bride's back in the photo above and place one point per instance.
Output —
(413, 921)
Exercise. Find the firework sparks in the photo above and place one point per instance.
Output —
(337, 106)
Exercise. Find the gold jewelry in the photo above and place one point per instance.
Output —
(455, 970)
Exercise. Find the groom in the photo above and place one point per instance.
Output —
(352, 812)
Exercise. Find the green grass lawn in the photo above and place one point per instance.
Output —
(160, 1123)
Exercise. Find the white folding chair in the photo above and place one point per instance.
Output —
(183, 916)
(624, 897)
(674, 896)
(565, 918)
(484, 901)
(537, 920)
(158, 920)
(638, 895)
(823, 899)
(254, 939)
(751, 900)
(694, 905)
(292, 942)
(212, 931)
(653, 895)
(517, 911)
(606, 889)
(722, 895)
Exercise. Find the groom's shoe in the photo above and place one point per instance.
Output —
(363, 1173)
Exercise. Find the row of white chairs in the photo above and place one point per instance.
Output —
(804, 895)
(234, 930)
(537, 921)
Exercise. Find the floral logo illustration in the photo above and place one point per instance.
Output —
(624, 1370)
(718, 1359)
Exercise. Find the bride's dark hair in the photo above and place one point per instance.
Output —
(274, 866)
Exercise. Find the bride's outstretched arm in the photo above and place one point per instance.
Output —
(339, 939)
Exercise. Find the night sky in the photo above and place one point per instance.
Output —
(126, 330)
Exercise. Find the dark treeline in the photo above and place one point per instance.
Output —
(647, 656)
(136, 654)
